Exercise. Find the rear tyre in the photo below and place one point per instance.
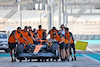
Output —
(7, 50)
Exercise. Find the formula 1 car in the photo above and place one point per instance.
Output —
(41, 52)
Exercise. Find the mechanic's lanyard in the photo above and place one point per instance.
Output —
(37, 49)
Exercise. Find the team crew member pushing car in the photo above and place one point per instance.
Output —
(69, 36)
(53, 30)
(65, 41)
(36, 38)
(12, 41)
(60, 40)
(26, 35)
(66, 44)
(30, 35)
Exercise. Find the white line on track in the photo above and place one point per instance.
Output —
(91, 58)
(93, 51)
(3, 59)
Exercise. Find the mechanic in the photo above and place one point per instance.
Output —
(30, 35)
(34, 31)
(40, 32)
(37, 40)
(52, 31)
(12, 41)
(62, 29)
(69, 36)
(66, 45)
(61, 43)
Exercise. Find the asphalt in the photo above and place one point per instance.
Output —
(88, 58)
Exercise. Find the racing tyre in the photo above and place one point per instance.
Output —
(7, 50)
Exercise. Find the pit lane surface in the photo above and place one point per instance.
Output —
(88, 58)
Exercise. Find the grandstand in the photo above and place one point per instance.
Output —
(7, 2)
(81, 16)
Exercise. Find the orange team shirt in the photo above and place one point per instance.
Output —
(51, 33)
(40, 33)
(58, 38)
(68, 37)
(29, 37)
(21, 39)
(12, 39)
(65, 41)
(25, 34)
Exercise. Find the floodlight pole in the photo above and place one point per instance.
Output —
(20, 18)
(52, 12)
(59, 20)
(20, 13)
(49, 23)
(40, 18)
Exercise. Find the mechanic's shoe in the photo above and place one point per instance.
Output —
(75, 58)
(72, 59)
(14, 60)
(63, 60)
(68, 60)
